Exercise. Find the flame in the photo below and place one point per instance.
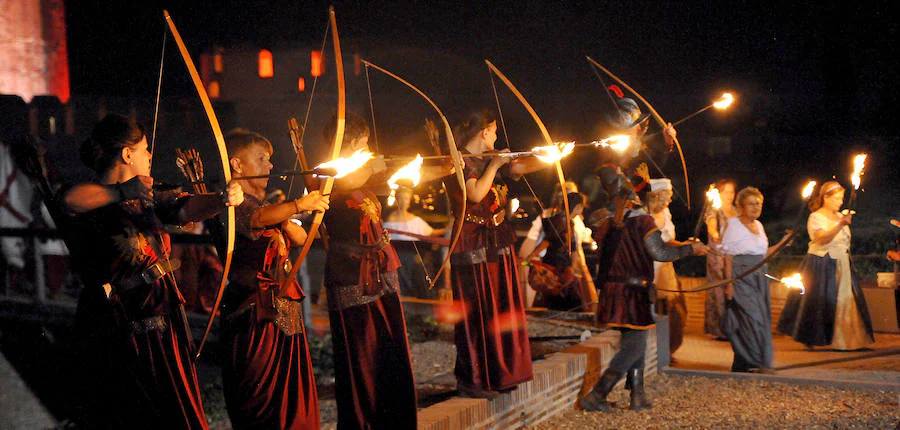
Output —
(411, 171)
(450, 313)
(553, 153)
(859, 163)
(712, 195)
(808, 189)
(348, 165)
(514, 205)
(726, 100)
(619, 143)
(794, 281)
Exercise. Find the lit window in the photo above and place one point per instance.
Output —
(213, 89)
(316, 64)
(218, 65)
(266, 67)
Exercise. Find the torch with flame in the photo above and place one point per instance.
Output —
(794, 281)
(859, 165)
(806, 194)
(724, 102)
(411, 173)
(714, 201)
(347, 165)
(553, 153)
(618, 143)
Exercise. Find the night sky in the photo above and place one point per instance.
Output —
(824, 64)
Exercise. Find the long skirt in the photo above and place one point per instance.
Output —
(492, 347)
(267, 376)
(748, 317)
(832, 311)
(136, 374)
(374, 384)
(715, 298)
(671, 304)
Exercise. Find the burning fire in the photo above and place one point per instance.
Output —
(794, 281)
(617, 143)
(514, 205)
(808, 189)
(712, 195)
(348, 165)
(859, 163)
(411, 172)
(553, 153)
(726, 100)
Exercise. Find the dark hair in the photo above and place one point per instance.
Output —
(472, 125)
(239, 139)
(721, 183)
(110, 135)
(354, 127)
(576, 199)
(825, 190)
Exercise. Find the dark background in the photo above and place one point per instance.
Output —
(816, 81)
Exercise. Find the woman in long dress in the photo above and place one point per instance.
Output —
(748, 312)
(492, 348)
(136, 345)
(267, 373)
(833, 311)
(715, 263)
(669, 303)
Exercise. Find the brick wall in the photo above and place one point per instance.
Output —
(558, 382)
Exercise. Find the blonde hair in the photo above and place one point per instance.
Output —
(827, 189)
(746, 193)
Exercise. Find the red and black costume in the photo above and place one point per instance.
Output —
(373, 370)
(492, 347)
(267, 372)
(135, 344)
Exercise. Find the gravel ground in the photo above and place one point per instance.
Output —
(698, 402)
(679, 401)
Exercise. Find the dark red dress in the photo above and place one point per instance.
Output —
(136, 354)
(492, 347)
(374, 384)
(267, 373)
(623, 260)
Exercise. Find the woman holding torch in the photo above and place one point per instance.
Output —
(833, 310)
(716, 222)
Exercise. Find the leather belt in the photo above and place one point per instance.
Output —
(629, 280)
(150, 275)
(476, 256)
(495, 219)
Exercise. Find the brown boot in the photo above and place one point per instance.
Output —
(596, 399)
(638, 398)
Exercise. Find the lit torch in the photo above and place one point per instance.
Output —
(714, 201)
(618, 143)
(794, 282)
(859, 165)
(553, 153)
(348, 165)
(806, 194)
(721, 104)
(411, 173)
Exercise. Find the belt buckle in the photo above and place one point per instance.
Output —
(497, 218)
(153, 273)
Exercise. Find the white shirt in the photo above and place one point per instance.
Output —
(415, 225)
(839, 245)
(738, 240)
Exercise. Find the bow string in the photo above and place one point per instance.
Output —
(455, 157)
